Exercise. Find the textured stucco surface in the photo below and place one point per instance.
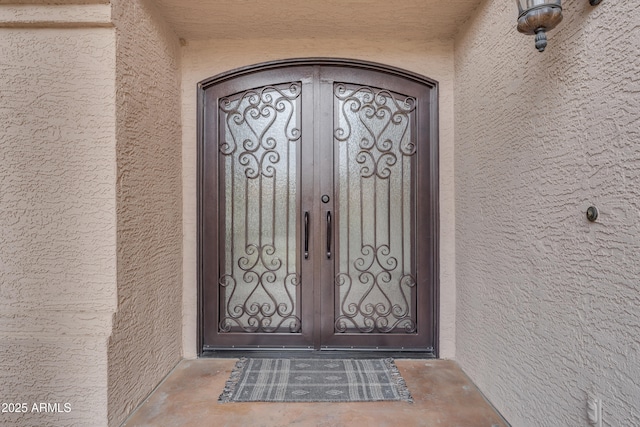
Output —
(53, 2)
(57, 221)
(89, 15)
(202, 59)
(147, 328)
(547, 302)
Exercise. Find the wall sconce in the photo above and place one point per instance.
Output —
(539, 16)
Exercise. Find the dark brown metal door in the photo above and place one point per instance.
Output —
(318, 208)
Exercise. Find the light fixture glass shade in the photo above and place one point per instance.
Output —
(537, 17)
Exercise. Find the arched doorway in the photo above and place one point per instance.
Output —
(318, 208)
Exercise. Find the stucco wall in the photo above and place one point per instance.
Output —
(57, 219)
(202, 59)
(146, 342)
(547, 302)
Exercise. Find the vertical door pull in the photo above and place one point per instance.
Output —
(328, 234)
(306, 235)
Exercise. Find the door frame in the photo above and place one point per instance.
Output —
(431, 201)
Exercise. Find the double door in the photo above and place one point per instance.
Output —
(318, 209)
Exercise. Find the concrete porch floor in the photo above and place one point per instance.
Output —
(443, 396)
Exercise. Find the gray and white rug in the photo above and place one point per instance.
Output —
(315, 380)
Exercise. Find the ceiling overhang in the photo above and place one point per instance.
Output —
(327, 19)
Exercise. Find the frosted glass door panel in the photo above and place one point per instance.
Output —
(375, 154)
(259, 175)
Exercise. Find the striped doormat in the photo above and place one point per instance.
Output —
(315, 380)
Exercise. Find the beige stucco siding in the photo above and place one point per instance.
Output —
(57, 220)
(90, 191)
(548, 302)
(146, 342)
(203, 59)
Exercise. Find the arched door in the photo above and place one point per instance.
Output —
(318, 211)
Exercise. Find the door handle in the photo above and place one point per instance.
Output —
(328, 234)
(306, 235)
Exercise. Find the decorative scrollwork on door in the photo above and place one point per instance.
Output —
(375, 148)
(259, 151)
